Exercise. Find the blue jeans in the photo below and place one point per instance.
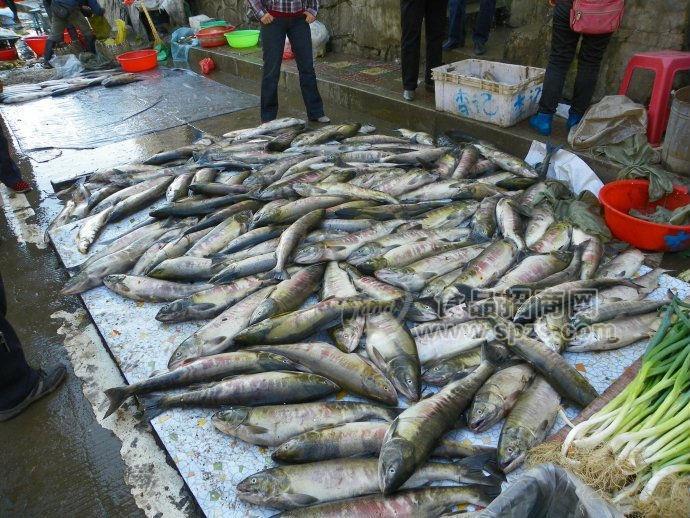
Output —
(273, 42)
(457, 21)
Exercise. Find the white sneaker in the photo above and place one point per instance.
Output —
(408, 95)
(323, 119)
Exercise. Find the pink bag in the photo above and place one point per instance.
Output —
(596, 16)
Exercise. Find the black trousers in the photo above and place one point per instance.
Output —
(457, 21)
(412, 12)
(563, 47)
(273, 42)
(17, 379)
(9, 172)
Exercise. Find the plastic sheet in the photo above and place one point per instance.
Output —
(180, 51)
(610, 121)
(549, 491)
(165, 98)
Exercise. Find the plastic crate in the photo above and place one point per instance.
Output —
(488, 91)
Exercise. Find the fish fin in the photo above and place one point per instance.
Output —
(378, 358)
(153, 405)
(255, 429)
(483, 463)
(280, 275)
(300, 499)
(116, 396)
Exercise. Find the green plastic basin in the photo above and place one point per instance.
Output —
(242, 39)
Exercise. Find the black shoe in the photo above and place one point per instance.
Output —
(429, 86)
(47, 382)
(479, 48)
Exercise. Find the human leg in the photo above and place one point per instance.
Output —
(9, 172)
(589, 61)
(456, 24)
(58, 23)
(411, 15)
(435, 28)
(272, 44)
(299, 34)
(482, 27)
(78, 20)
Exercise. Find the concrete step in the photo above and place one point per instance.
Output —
(375, 88)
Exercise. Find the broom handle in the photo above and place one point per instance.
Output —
(156, 37)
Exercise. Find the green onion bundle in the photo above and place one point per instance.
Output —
(647, 426)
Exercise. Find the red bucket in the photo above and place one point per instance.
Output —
(138, 60)
(618, 198)
(213, 36)
(37, 44)
(8, 54)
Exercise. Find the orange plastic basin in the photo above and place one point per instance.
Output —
(138, 60)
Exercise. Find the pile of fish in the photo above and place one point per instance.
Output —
(24, 92)
(428, 278)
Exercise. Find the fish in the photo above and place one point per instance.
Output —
(217, 335)
(562, 376)
(569, 273)
(620, 309)
(616, 333)
(295, 326)
(483, 270)
(446, 165)
(644, 285)
(211, 368)
(360, 438)
(210, 303)
(506, 161)
(451, 190)
(408, 254)
(528, 423)
(293, 210)
(91, 229)
(557, 237)
(509, 222)
(446, 370)
(362, 209)
(350, 371)
(196, 207)
(291, 237)
(264, 128)
(185, 268)
(344, 190)
(540, 220)
(412, 436)
(290, 294)
(145, 289)
(283, 139)
(450, 341)
(120, 261)
(497, 396)
(340, 249)
(450, 215)
(533, 268)
(253, 237)
(140, 200)
(220, 215)
(179, 187)
(172, 154)
(221, 235)
(592, 253)
(484, 222)
(264, 388)
(337, 282)
(625, 264)
(392, 349)
(252, 265)
(416, 275)
(285, 187)
(217, 188)
(468, 158)
(398, 183)
(418, 137)
(298, 486)
(272, 425)
(564, 294)
(327, 133)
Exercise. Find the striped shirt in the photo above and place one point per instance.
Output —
(261, 7)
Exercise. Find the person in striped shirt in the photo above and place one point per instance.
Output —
(291, 18)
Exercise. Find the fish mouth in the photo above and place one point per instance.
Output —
(513, 464)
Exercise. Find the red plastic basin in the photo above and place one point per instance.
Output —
(8, 54)
(138, 60)
(37, 44)
(213, 36)
(621, 196)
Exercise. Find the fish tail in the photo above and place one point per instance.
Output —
(483, 466)
(153, 405)
(116, 396)
(280, 275)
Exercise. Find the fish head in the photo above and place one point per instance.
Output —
(381, 389)
(513, 445)
(396, 464)
(400, 277)
(264, 488)
(422, 311)
(483, 413)
(187, 351)
(371, 265)
(363, 254)
(227, 421)
(407, 377)
(173, 311)
(266, 309)
(310, 254)
(80, 283)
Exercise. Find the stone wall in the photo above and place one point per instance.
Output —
(371, 28)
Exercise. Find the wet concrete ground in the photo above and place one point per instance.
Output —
(59, 457)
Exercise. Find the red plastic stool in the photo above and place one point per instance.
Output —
(665, 65)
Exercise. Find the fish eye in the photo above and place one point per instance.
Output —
(509, 449)
(254, 480)
(409, 381)
(480, 411)
(391, 470)
(178, 354)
